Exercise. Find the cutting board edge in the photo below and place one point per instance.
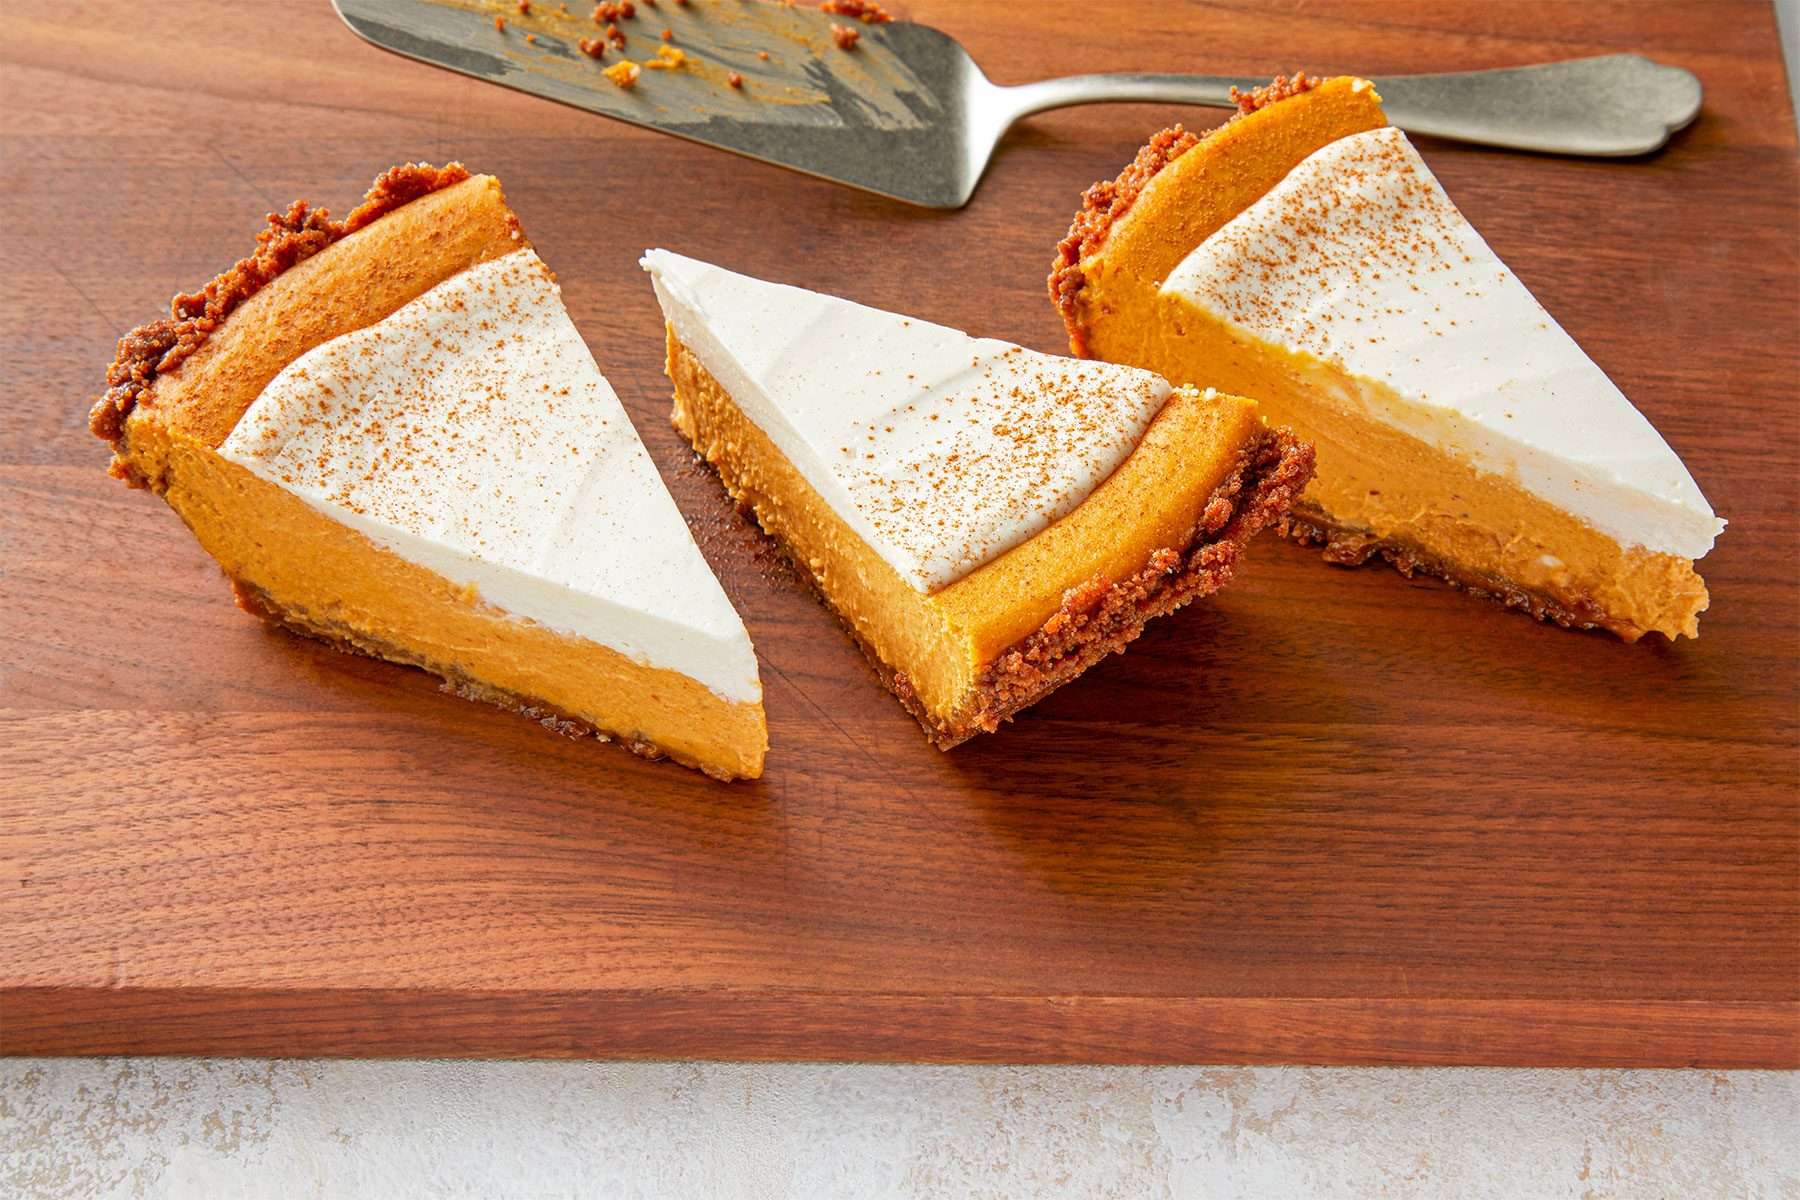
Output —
(767, 1026)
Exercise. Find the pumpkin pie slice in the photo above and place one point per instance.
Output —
(392, 438)
(1304, 254)
(987, 521)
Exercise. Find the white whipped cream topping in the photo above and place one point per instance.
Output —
(941, 450)
(471, 432)
(1360, 260)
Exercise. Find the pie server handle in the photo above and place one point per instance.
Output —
(1610, 106)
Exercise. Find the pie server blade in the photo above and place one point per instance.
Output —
(906, 112)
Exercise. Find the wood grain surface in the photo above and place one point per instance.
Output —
(1330, 815)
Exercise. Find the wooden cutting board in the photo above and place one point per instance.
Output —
(1328, 816)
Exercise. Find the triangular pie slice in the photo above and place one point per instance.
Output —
(1304, 254)
(391, 436)
(987, 521)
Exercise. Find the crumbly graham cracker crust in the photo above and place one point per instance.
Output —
(1107, 201)
(257, 603)
(1350, 548)
(292, 237)
(1102, 617)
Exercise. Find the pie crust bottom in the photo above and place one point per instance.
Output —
(260, 604)
(291, 563)
(1349, 548)
(1382, 492)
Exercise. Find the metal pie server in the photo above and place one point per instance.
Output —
(905, 112)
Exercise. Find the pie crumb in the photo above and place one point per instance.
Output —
(866, 11)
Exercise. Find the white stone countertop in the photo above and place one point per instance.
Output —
(394, 1130)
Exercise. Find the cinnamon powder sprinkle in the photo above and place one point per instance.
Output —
(1048, 428)
(1371, 215)
(845, 37)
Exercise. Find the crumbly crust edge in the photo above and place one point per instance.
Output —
(1350, 548)
(291, 237)
(257, 603)
(1102, 617)
(1105, 203)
